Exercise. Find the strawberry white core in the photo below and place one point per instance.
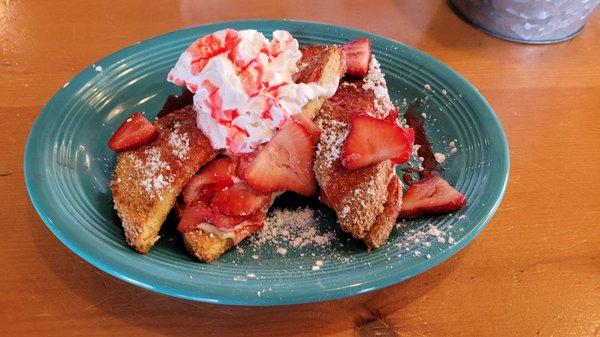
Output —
(242, 85)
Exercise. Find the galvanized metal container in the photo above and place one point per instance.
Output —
(527, 21)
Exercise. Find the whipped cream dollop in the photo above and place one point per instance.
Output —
(243, 87)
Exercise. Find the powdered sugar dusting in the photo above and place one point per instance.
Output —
(345, 211)
(317, 265)
(453, 149)
(294, 227)
(154, 172)
(179, 142)
(417, 239)
(375, 81)
(331, 141)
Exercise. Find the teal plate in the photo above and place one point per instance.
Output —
(68, 168)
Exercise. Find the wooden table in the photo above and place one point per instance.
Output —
(535, 269)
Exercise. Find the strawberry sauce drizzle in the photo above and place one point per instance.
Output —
(210, 46)
(247, 55)
(417, 123)
(175, 102)
(214, 102)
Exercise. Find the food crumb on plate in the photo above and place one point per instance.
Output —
(439, 157)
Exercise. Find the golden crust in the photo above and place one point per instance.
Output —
(206, 247)
(324, 65)
(385, 221)
(147, 180)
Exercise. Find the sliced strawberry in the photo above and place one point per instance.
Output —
(431, 195)
(244, 160)
(358, 55)
(405, 156)
(308, 124)
(224, 222)
(194, 214)
(393, 116)
(239, 200)
(213, 177)
(199, 212)
(133, 133)
(372, 140)
(284, 163)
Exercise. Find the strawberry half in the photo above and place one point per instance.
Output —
(393, 116)
(431, 195)
(409, 133)
(213, 177)
(239, 200)
(224, 222)
(358, 55)
(308, 124)
(133, 133)
(372, 140)
(284, 163)
(194, 214)
(199, 212)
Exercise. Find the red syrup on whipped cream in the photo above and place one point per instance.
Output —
(242, 86)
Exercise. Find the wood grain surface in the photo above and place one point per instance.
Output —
(534, 271)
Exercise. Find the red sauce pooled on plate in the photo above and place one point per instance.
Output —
(417, 123)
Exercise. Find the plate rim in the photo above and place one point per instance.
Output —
(338, 292)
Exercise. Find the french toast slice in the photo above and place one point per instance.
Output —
(356, 196)
(366, 200)
(321, 64)
(147, 180)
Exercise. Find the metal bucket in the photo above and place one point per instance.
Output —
(527, 21)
